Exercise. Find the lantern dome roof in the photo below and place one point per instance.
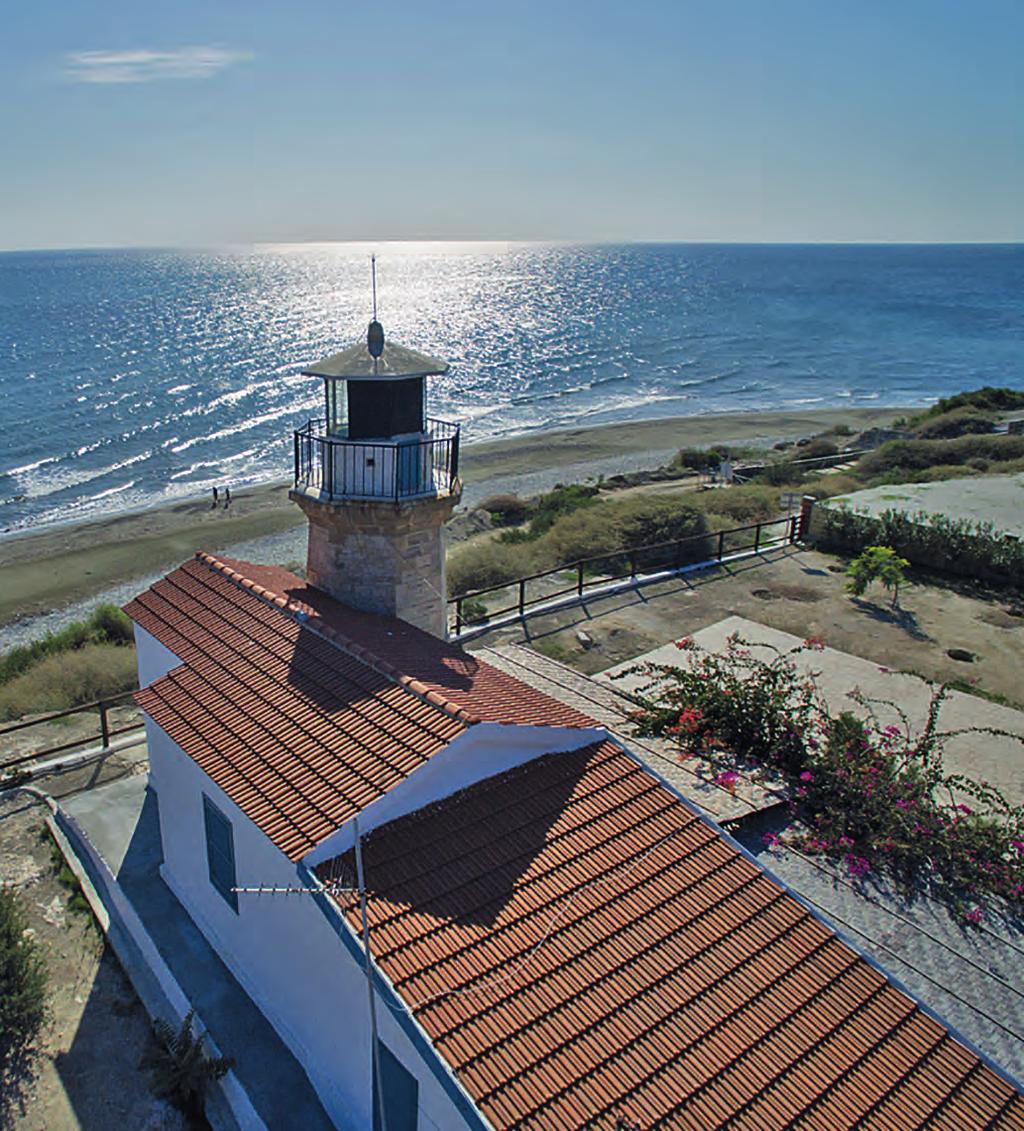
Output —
(395, 363)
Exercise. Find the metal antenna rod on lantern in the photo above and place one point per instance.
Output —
(373, 279)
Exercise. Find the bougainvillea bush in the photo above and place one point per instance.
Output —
(876, 796)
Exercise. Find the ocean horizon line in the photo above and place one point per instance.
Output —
(526, 241)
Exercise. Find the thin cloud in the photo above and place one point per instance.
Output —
(150, 66)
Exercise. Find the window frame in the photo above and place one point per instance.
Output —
(399, 1086)
(220, 865)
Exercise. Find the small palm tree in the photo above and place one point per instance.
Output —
(181, 1069)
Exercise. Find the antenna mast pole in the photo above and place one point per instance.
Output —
(373, 276)
(378, 1079)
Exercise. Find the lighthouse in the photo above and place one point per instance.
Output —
(378, 479)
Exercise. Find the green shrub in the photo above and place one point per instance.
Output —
(22, 1001)
(561, 501)
(484, 562)
(932, 541)
(782, 474)
(624, 524)
(94, 671)
(105, 624)
(818, 448)
(987, 399)
(181, 1069)
(958, 422)
(740, 505)
(699, 459)
(876, 563)
(473, 611)
(918, 455)
(507, 510)
(841, 430)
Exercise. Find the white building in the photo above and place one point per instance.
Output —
(556, 938)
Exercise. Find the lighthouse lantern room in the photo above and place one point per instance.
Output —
(378, 479)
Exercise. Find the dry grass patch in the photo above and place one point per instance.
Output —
(95, 671)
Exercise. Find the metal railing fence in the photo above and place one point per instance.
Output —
(367, 469)
(659, 557)
(105, 732)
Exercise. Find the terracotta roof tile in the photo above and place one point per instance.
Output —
(470, 687)
(579, 946)
(300, 734)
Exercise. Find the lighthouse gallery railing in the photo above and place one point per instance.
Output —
(418, 467)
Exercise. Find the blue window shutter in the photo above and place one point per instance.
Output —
(401, 1094)
(220, 852)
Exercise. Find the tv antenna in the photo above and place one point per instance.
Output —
(337, 887)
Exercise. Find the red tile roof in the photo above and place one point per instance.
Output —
(302, 710)
(469, 687)
(580, 946)
(299, 734)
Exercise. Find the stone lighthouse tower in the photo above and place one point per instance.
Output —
(377, 480)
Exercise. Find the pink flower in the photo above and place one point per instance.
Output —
(1018, 845)
(857, 866)
(801, 791)
(814, 644)
(727, 780)
(770, 840)
(807, 776)
(975, 915)
(902, 803)
(845, 842)
(685, 644)
(690, 719)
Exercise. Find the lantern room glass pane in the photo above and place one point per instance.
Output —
(337, 408)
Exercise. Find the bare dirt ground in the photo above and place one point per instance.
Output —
(88, 1075)
(802, 592)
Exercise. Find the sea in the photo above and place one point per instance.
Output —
(132, 378)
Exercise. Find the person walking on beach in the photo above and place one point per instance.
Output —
(215, 499)
(227, 497)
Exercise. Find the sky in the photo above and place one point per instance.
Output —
(198, 123)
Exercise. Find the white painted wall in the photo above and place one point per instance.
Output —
(481, 751)
(154, 659)
(283, 950)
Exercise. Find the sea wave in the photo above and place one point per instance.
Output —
(207, 384)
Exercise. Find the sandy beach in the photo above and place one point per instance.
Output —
(64, 565)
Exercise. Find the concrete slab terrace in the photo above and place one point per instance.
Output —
(611, 708)
(998, 499)
(993, 758)
(121, 822)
